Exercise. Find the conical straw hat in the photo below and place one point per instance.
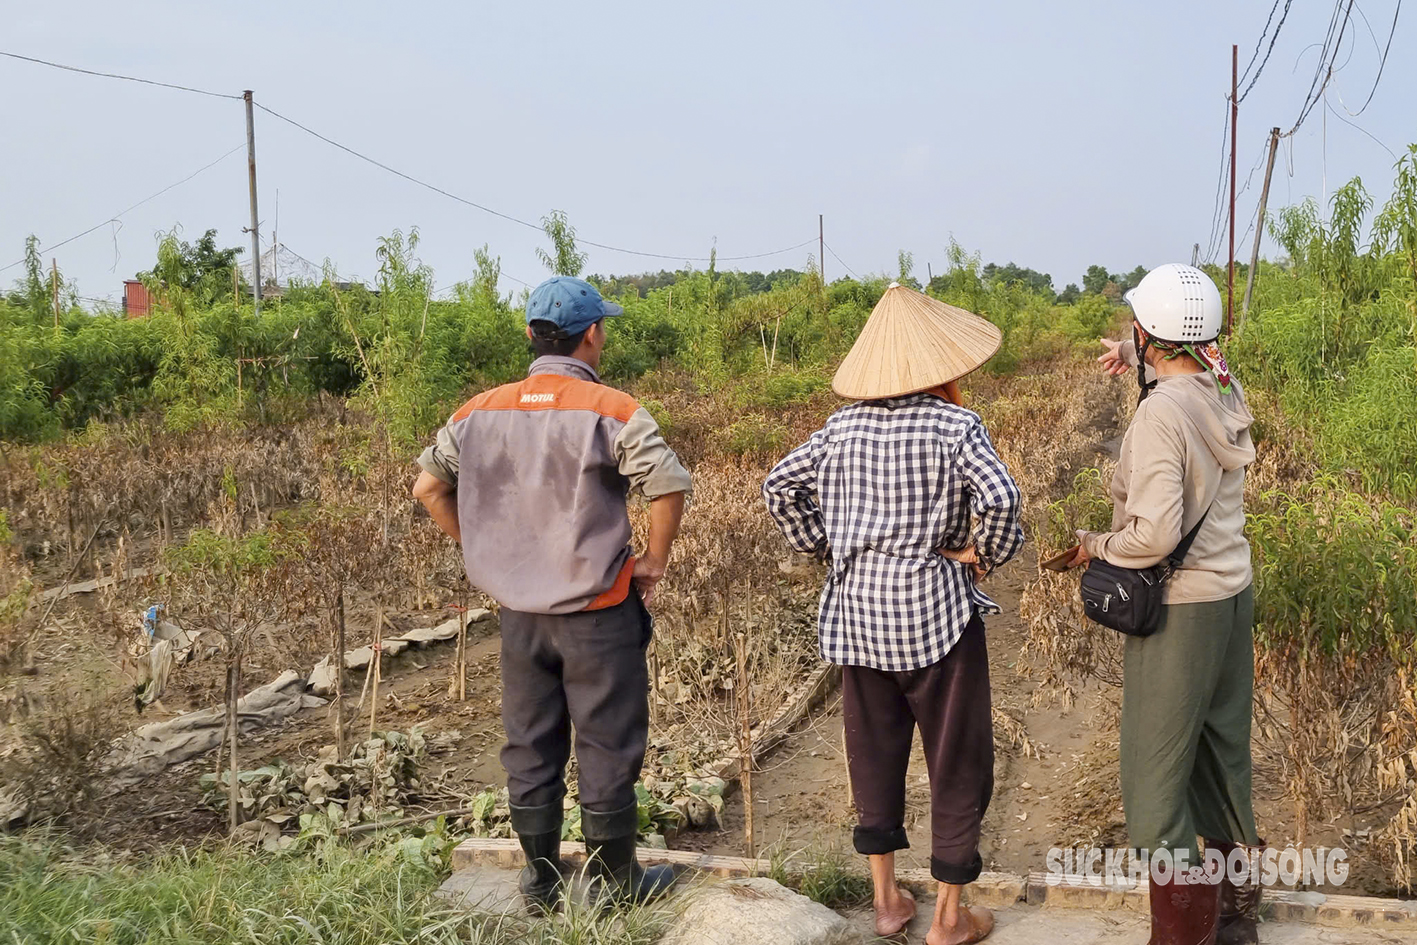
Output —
(911, 343)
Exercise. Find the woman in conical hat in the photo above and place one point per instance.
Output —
(903, 495)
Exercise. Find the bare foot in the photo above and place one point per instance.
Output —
(974, 924)
(895, 915)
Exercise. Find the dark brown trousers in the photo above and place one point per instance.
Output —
(949, 700)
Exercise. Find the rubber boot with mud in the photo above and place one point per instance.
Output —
(1183, 913)
(612, 862)
(542, 881)
(1239, 911)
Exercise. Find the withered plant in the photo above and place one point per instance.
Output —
(234, 585)
(338, 547)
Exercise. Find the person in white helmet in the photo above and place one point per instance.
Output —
(1186, 709)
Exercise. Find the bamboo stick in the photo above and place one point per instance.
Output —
(376, 663)
(745, 743)
(462, 652)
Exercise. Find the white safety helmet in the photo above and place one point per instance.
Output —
(1177, 303)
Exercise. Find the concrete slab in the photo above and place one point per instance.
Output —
(483, 890)
(486, 888)
(1033, 925)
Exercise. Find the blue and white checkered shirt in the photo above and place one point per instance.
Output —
(875, 492)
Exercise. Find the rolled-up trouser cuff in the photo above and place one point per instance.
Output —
(872, 841)
(536, 821)
(955, 874)
(610, 825)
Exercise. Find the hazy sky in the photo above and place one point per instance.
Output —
(1052, 134)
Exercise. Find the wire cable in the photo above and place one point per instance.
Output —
(114, 75)
(1327, 56)
(1348, 121)
(508, 217)
(1217, 212)
(1382, 64)
(842, 261)
(1269, 51)
(117, 216)
(1260, 42)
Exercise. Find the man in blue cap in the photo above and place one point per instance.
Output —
(532, 479)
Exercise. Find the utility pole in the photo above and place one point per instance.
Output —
(54, 285)
(821, 251)
(1259, 224)
(1195, 254)
(275, 244)
(255, 220)
(1234, 123)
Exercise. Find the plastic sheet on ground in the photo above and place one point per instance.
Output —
(157, 745)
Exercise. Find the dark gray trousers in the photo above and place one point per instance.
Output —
(585, 670)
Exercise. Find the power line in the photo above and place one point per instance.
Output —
(1217, 213)
(1382, 64)
(1269, 51)
(114, 75)
(385, 167)
(1327, 57)
(1354, 124)
(508, 217)
(1260, 42)
(842, 261)
(135, 206)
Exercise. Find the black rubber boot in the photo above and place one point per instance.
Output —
(542, 880)
(611, 858)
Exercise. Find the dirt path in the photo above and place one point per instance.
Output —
(801, 794)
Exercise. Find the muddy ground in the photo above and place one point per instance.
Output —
(1059, 788)
(1063, 791)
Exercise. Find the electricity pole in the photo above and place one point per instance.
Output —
(1234, 121)
(1259, 224)
(54, 284)
(821, 251)
(255, 224)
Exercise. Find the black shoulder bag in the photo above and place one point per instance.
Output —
(1129, 599)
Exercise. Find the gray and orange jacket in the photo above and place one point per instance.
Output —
(543, 468)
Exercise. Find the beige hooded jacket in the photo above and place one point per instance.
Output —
(1185, 451)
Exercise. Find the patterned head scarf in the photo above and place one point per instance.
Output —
(1209, 355)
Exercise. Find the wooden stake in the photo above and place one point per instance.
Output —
(233, 681)
(375, 664)
(654, 695)
(745, 742)
(846, 760)
(462, 652)
(338, 700)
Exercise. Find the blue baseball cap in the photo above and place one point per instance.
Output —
(572, 305)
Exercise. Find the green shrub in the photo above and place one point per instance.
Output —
(1336, 573)
(755, 435)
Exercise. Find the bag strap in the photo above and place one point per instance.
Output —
(1175, 558)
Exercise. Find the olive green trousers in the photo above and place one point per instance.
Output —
(1186, 711)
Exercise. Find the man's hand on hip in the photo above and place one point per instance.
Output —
(648, 572)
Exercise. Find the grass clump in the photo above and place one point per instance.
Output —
(824, 875)
(53, 894)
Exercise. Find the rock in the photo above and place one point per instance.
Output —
(447, 630)
(483, 889)
(756, 912)
(322, 678)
